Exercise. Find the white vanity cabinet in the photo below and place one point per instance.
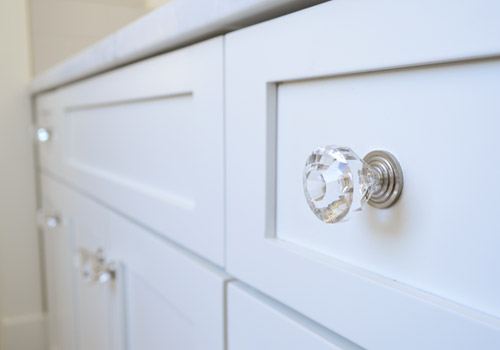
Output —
(142, 294)
(406, 77)
(147, 140)
(174, 187)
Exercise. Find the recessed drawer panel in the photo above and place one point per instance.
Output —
(430, 259)
(440, 122)
(257, 322)
(136, 144)
(147, 140)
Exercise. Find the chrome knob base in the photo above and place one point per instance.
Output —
(391, 179)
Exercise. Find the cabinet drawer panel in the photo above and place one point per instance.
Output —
(256, 322)
(431, 258)
(441, 124)
(147, 140)
(138, 145)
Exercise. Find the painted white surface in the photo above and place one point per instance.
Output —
(162, 296)
(257, 322)
(177, 23)
(21, 311)
(322, 271)
(433, 239)
(58, 248)
(148, 140)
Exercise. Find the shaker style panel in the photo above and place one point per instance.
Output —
(256, 322)
(147, 140)
(315, 80)
(132, 290)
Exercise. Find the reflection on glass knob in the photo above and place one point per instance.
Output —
(43, 135)
(337, 182)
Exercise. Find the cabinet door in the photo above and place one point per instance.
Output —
(58, 246)
(409, 77)
(157, 297)
(99, 303)
(147, 140)
(257, 322)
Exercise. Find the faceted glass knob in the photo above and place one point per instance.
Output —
(94, 267)
(104, 270)
(337, 182)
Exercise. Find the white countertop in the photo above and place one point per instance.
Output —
(177, 23)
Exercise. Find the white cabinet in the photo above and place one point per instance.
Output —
(147, 140)
(166, 170)
(157, 297)
(257, 322)
(371, 75)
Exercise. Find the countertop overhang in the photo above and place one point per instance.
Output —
(176, 24)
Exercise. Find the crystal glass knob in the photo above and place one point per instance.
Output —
(105, 270)
(43, 135)
(337, 182)
(94, 267)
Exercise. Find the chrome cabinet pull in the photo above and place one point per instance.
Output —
(95, 268)
(50, 221)
(337, 182)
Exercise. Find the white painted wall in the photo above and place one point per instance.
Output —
(62, 28)
(21, 309)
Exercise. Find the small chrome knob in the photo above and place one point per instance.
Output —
(337, 182)
(52, 221)
(43, 135)
(44, 220)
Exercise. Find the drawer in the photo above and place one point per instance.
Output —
(132, 290)
(257, 322)
(427, 265)
(147, 140)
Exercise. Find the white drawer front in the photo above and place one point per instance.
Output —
(159, 298)
(440, 122)
(256, 322)
(147, 140)
(438, 245)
